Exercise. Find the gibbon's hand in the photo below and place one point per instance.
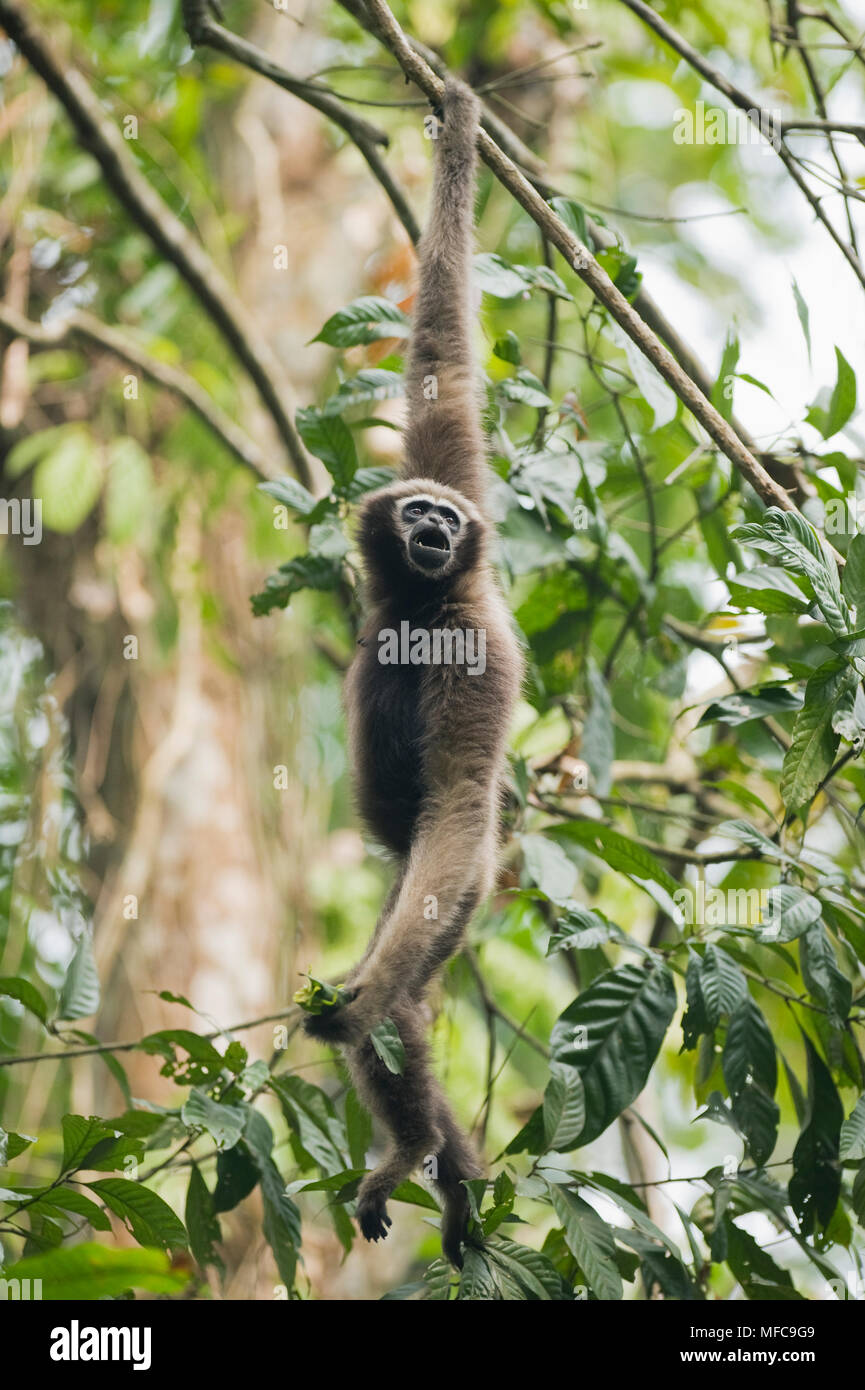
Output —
(351, 1023)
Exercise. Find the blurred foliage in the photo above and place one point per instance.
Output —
(683, 901)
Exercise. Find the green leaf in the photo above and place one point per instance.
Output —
(304, 572)
(291, 494)
(564, 1108)
(745, 705)
(370, 385)
(414, 1195)
(816, 1180)
(804, 314)
(79, 997)
(748, 1260)
(843, 402)
(815, 743)
(68, 480)
(358, 1129)
(548, 867)
(329, 438)
(722, 984)
(826, 983)
(853, 1133)
(722, 396)
(129, 496)
(749, 1052)
(537, 1275)
(224, 1123)
(69, 1199)
(12, 1144)
(525, 389)
(80, 1136)
(202, 1222)
(87, 1272)
(149, 1218)
(388, 1046)
(281, 1217)
(310, 1114)
(767, 589)
(507, 349)
(854, 575)
(598, 746)
(25, 993)
(612, 1034)
(478, 1281)
(616, 850)
(365, 320)
(789, 912)
(236, 1176)
(497, 277)
(590, 1241)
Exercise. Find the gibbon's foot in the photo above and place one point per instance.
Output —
(372, 1216)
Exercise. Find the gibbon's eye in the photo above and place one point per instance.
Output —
(414, 510)
(450, 519)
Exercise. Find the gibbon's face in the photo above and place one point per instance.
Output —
(431, 528)
(419, 530)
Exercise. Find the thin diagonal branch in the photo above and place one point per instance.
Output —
(367, 137)
(97, 133)
(757, 114)
(580, 259)
(85, 327)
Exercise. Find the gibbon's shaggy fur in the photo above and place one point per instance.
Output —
(428, 742)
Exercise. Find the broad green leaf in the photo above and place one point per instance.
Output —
(853, 1133)
(564, 1107)
(304, 572)
(364, 321)
(25, 993)
(224, 1123)
(612, 1034)
(590, 1241)
(616, 850)
(88, 1272)
(767, 589)
(854, 576)
(789, 912)
(80, 1136)
(310, 1114)
(548, 867)
(281, 1217)
(68, 480)
(12, 1144)
(722, 984)
(745, 705)
(815, 742)
(370, 385)
(329, 438)
(388, 1046)
(149, 1218)
(816, 1180)
(79, 997)
(70, 1200)
(202, 1222)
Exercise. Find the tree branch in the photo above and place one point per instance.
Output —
(83, 326)
(758, 116)
(98, 134)
(590, 272)
(367, 137)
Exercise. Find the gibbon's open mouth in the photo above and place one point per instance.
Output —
(429, 546)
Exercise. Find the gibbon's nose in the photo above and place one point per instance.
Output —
(429, 544)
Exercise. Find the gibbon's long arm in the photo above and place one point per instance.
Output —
(444, 440)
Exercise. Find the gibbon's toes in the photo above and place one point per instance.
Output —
(373, 1218)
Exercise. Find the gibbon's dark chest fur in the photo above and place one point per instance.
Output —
(390, 783)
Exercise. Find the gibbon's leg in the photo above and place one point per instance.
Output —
(444, 439)
(451, 863)
(423, 1132)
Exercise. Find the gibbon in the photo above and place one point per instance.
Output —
(428, 741)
